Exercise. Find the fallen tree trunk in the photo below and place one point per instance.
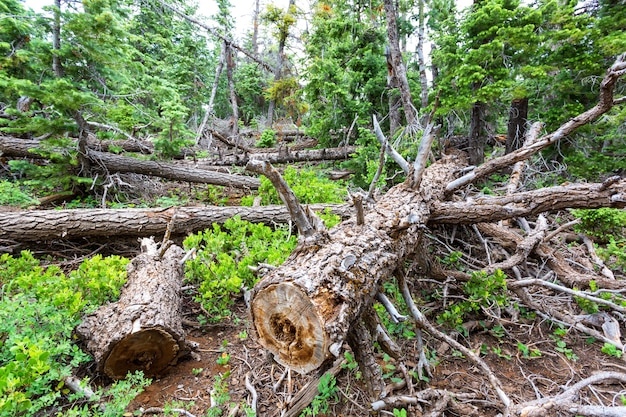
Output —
(143, 330)
(123, 164)
(13, 147)
(302, 311)
(34, 225)
(283, 156)
(45, 225)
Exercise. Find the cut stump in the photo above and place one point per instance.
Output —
(143, 330)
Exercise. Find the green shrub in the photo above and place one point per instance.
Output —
(224, 255)
(307, 184)
(601, 223)
(482, 290)
(39, 308)
(267, 139)
(12, 195)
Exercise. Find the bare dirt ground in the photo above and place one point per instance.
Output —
(190, 385)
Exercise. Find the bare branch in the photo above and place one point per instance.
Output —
(422, 154)
(388, 148)
(217, 34)
(605, 103)
(286, 195)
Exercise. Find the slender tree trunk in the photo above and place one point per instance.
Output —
(255, 28)
(477, 137)
(57, 67)
(395, 118)
(209, 108)
(516, 128)
(279, 65)
(397, 63)
(230, 65)
(420, 55)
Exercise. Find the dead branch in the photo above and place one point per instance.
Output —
(490, 209)
(296, 211)
(388, 148)
(564, 402)
(605, 103)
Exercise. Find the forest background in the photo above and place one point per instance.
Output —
(183, 88)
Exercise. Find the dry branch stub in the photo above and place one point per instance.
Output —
(302, 312)
(142, 331)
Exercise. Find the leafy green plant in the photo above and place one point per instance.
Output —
(267, 139)
(482, 291)
(561, 346)
(224, 257)
(219, 394)
(601, 223)
(351, 364)
(308, 185)
(611, 350)
(39, 308)
(12, 195)
(527, 352)
(399, 413)
(327, 391)
(614, 253)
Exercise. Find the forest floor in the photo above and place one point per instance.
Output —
(191, 384)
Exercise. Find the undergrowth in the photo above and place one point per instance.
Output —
(39, 308)
(225, 255)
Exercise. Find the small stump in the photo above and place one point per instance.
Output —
(143, 330)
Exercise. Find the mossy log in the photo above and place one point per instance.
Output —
(143, 330)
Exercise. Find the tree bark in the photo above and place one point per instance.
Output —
(143, 330)
(477, 137)
(22, 148)
(124, 164)
(516, 127)
(302, 312)
(209, 108)
(46, 225)
(283, 156)
(397, 63)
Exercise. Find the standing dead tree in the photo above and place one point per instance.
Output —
(320, 300)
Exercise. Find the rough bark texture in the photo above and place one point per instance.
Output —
(285, 155)
(516, 127)
(397, 63)
(45, 225)
(123, 164)
(302, 311)
(143, 330)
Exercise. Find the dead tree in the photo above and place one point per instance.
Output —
(306, 310)
(143, 330)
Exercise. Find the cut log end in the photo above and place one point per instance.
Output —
(288, 326)
(148, 350)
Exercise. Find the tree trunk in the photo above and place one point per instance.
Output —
(397, 63)
(516, 128)
(209, 107)
(143, 330)
(124, 164)
(46, 225)
(421, 36)
(57, 66)
(395, 101)
(302, 311)
(282, 156)
(282, 40)
(230, 66)
(477, 137)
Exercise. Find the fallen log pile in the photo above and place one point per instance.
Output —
(309, 310)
